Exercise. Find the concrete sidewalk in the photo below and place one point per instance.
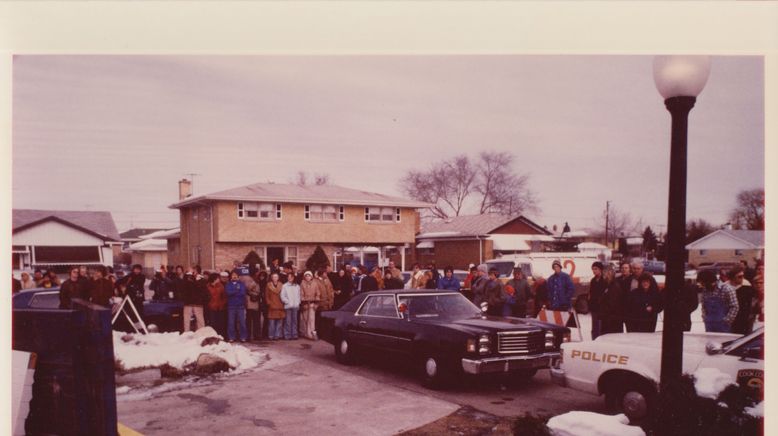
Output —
(286, 395)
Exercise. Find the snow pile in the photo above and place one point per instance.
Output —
(177, 350)
(709, 382)
(756, 411)
(592, 424)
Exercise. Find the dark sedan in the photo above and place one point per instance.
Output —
(443, 333)
(165, 314)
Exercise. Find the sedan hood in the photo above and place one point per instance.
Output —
(490, 324)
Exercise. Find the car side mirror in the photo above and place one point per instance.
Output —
(713, 348)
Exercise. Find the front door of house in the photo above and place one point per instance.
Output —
(275, 253)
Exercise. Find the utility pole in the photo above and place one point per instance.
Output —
(607, 216)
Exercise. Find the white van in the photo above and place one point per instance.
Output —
(577, 265)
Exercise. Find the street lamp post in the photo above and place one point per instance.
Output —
(679, 79)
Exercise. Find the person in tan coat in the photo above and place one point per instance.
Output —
(327, 296)
(310, 296)
(275, 307)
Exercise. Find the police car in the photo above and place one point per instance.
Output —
(625, 367)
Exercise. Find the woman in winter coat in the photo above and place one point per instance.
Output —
(27, 281)
(216, 313)
(100, 288)
(611, 304)
(344, 287)
(290, 295)
(275, 307)
(236, 307)
(253, 320)
(310, 296)
(643, 305)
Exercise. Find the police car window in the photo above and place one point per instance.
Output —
(379, 305)
(753, 349)
(45, 300)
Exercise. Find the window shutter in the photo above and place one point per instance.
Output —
(278, 211)
(342, 215)
(240, 210)
(398, 214)
(367, 214)
(307, 212)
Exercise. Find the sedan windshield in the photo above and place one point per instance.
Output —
(442, 306)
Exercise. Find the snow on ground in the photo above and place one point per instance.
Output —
(592, 424)
(126, 393)
(178, 350)
(756, 411)
(709, 382)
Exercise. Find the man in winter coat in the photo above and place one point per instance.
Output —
(310, 296)
(560, 288)
(72, 288)
(479, 285)
(236, 307)
(392, 282)
(275, 307)
(253, 319)
(135, 286)
(100, 287)
(494, 293)
(597, 287)
(290, 295)
(447, 280)
(193, 302)
(518, 290)
(746, 299)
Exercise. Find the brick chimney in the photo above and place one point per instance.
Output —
(184, 189)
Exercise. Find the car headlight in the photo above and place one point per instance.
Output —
(549, 339)
(484, 344)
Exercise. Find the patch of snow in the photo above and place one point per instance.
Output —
(178, 350)
(592, 424)
(122, 390)
(709, 382)
(756, 411)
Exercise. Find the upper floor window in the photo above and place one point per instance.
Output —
(703, 252)
(259, 211)
(382, 214)
(738, 252)
(324, 212)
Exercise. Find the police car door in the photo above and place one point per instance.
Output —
(744, 361)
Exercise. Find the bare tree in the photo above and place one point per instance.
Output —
(302, 179)
(458, 185)
(696, 229)
(749, 212)
(619, 223)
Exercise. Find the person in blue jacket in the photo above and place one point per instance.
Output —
(448, 281)
(560, 288)
(236, 307)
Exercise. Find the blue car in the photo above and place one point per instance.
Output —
(165, 314)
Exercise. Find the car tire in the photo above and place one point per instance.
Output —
(634, 398)
(344, 351)
(433, 372)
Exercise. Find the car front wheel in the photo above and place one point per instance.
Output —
(634, 399)
(433, 372)
(344, 351)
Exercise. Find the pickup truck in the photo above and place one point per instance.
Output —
(625, 367)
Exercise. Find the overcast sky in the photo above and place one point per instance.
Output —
(117, 132)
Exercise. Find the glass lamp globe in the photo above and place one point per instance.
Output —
(681, 76)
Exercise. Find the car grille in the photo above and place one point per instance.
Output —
(521, 342)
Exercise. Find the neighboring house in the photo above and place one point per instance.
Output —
(287, 222)
(151, 250)
(120, 253)
(726, 245)
(55, 239)
(465, 239)
(599, 250)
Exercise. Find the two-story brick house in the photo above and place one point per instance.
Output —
(287, 222)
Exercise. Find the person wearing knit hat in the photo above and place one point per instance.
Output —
(479, 285)
(560, 288)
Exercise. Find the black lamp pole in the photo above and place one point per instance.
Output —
(672, 335)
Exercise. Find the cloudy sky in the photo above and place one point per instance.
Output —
(116, 132)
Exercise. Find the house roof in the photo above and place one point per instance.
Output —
(99, 223)
(163, 234)
(136, 233)
(287, 193)
(149, 245)
(471, 226)
(738, 238)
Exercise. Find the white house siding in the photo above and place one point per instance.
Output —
(54, 234)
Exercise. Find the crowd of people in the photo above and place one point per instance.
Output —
(279, 302)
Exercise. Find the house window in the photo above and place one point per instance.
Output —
(381, 214)
(738, 252)
(703, 252)
(321, 212)
(260, 250)
(259, 211)
(291, 255)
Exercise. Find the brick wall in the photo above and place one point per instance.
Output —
(293, 228)
(458, 254)
(227, 252)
